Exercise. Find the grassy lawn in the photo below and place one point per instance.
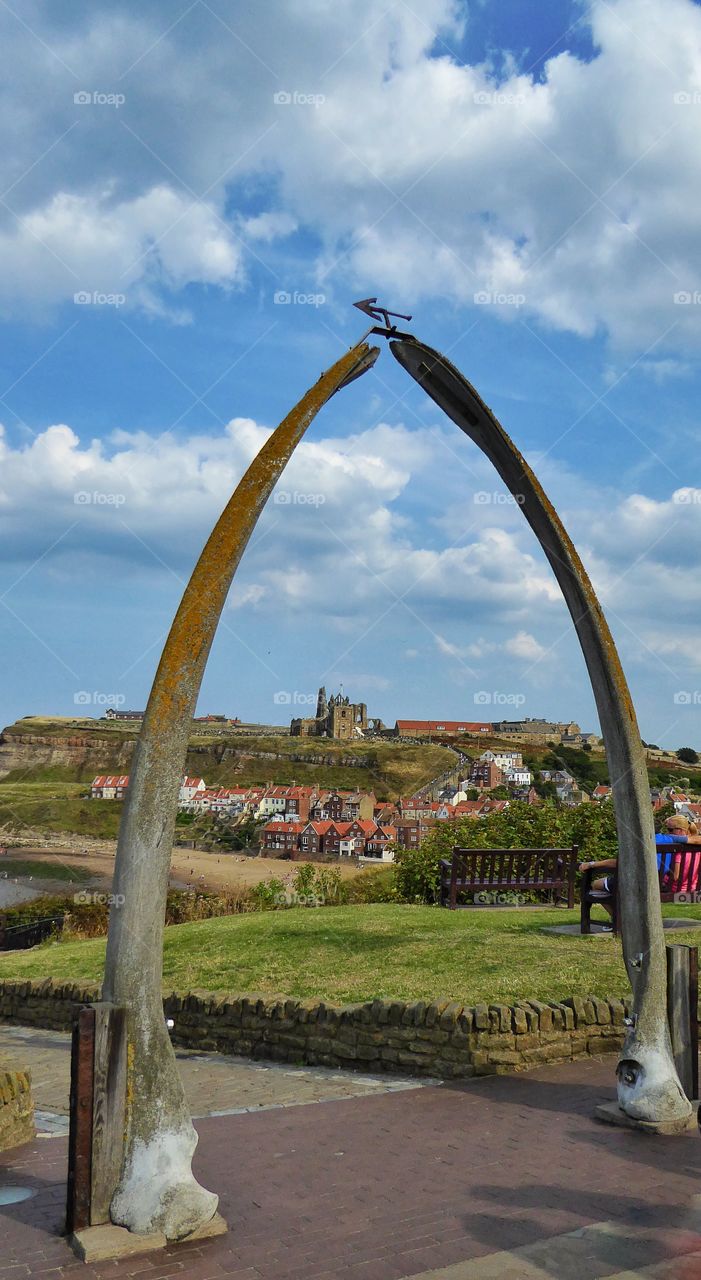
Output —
(355, 953)
(57, 806)
(65, 872)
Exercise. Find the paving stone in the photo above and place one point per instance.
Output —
(507, 1173)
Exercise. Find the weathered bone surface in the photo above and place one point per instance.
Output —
(648, 1085)
(158, 1191)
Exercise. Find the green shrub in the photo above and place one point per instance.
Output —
(269, 894)
(521, 826)
(372, 886)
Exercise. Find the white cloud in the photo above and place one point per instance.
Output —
(136, 510)
(127, 253)
(525, 646)
(420, 174)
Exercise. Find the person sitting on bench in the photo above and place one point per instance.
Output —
(679, 831)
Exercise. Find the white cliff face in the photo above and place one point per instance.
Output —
(159, 1191)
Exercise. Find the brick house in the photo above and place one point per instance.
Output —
(299, 801)
(345, 839)
(450, 728)
(280, 839)
(411, 831)
(328, 807)
(312, 838)
(485, 774)
(359, 804)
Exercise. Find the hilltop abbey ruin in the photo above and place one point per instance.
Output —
(336, 717)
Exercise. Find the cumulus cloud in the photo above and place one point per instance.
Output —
(339, 540)
(525, 646)
(85, 248)
(568, 195)
(136, 510)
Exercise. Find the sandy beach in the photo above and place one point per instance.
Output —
(225, 871)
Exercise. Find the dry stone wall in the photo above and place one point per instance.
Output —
(16, 1107)
(440, 1038)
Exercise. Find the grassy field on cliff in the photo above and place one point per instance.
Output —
(358, 952)
(390, 770)
(51, 797)
(55, 806)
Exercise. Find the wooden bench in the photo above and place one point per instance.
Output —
(671, 884)
(508, 872)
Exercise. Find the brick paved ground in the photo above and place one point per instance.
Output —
(213, 1082)
(508, 1173)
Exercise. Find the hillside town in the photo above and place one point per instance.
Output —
(316, 823)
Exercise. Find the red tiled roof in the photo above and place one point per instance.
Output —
(449, 726)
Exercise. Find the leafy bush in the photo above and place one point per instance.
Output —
(373, 886)
(521, 826)
(268, 894)
(322, 883)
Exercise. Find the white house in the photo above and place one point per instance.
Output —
(272, 802)
(189, 788)
(109, 786)
(519, 776)
(503, 760)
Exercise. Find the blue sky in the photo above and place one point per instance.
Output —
(169, 174)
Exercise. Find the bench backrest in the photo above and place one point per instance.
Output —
(517, 867)
(680, 871)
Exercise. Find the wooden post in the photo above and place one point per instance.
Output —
(109, 1105)
(81, 1119)
(682, 998)
(97, 1110)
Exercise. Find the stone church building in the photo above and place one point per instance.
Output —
(336, 718)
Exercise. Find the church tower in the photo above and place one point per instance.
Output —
(322, 709)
